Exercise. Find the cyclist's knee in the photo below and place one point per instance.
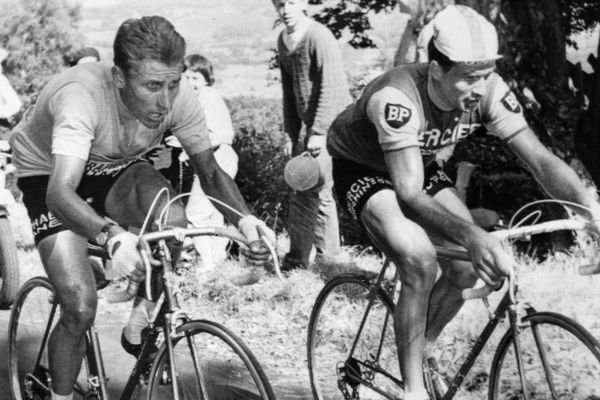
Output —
(419, 270)
(79, 313)
(177, 217)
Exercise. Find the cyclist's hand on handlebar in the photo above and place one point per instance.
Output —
(253, 228)
(489, 258)
(125, 257)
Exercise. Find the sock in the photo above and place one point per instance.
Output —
(54, 396)
(138, 320)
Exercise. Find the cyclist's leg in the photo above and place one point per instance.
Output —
(408, 245)
(131, 195)
(64, 256)
(127, 202)
(446, 298)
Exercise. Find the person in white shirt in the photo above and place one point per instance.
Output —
(200, 210)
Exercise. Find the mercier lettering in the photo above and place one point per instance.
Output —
(433, 140)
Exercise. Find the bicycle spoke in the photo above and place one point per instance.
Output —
(560, 359)
(541, 348)
(211, 364)
(340, 323)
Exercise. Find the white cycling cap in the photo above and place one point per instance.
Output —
(464, 35)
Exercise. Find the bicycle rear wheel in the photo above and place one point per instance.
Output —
(34, 315)
(9, 265)
(371, 371)
(561, 361)
(211, 363)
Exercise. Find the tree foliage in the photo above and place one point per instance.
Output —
(38, 34)
(352, 15)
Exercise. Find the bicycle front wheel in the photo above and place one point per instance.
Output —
(32, 316)
(561, 361)
(211, 363)
(349, 359)
(9, 265)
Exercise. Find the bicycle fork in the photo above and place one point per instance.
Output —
(514, 315)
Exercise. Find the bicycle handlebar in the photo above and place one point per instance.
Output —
(521, 232)
(179, 234)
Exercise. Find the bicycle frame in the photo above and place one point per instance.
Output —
(166, 317)
(507, 305)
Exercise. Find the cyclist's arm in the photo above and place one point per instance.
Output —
(65, 203)
(406, 172)
(553, 174)
(216, 183)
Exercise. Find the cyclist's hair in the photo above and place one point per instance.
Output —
(199, 63)
(147, 38)
(435, 55)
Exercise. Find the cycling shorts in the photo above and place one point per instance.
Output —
(93, 189)
(354, 183)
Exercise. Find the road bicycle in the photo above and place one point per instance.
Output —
(196, 358)
(9, 261)
(352, 349)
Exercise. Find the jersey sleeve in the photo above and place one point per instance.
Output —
(503, 114)
(189, 122)
(75, 114)
(395, 117)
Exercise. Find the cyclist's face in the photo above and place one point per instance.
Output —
(290, 11)
(149, 89)
(463, 85)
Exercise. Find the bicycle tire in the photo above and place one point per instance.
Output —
(9, 265)
(31, 321)
(571, 353)
(227, 367)
(334, 324)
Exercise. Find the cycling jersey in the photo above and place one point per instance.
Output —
(395, 112)
(79, 113)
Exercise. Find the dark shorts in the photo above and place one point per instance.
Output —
(93, 189)
(354, 183)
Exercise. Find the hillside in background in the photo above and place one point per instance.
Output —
(237, 35)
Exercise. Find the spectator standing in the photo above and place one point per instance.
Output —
(10, 103)
(315, 91)
(199, 210)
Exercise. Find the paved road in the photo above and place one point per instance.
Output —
(118, 364)
(109, 322)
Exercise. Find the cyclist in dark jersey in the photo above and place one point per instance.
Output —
(383, 148)
(79, 156)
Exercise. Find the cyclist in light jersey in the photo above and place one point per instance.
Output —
(383, 148)
(79, 157)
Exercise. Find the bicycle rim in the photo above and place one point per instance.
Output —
(561, 361)
(333, 328)
(34, 315)
(27, 350)
(9, 265)
(212, 363)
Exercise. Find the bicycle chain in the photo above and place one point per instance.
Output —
(342, 384)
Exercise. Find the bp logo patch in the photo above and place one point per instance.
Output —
(396, 115)
(511, 103)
